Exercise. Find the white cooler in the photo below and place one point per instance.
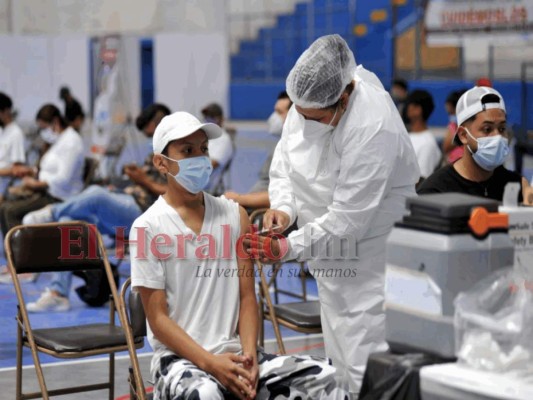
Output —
(454, 382)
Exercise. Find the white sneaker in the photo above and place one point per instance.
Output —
(49, 301)
(41, 216)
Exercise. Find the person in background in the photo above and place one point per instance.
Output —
(108, 209)
(71, 104)
(258, 195)
(75, 116)
(451, 151)
(399, 91)
(58, 177)
(418, 108)
(12, 151)
(220, 150)
(343, 168)
(483, 133)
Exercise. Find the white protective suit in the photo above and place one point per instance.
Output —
(353, 181)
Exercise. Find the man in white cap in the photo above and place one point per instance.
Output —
(201, 306)
(344, 167)
(482, 130)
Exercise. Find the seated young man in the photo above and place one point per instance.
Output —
(199, 297)
(482, 131)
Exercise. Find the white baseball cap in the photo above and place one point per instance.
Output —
(179, 125)
(471, 103)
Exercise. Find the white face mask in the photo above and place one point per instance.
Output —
(194, 172)
(275, 124)
(312, 128)
(491, 151)
(49, 135)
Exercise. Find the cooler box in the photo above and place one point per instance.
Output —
(434, 254)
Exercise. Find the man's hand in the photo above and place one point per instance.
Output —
(135, 173)
(251, 365)
(527, 194)
(232, 196)
(30, 183)
(275, 218)
(22, 170)
(228, 369)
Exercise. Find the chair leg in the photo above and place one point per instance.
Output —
(276, 295)
(111, 376)
(261, 306)
(133, 384)
(304, 281)
(18, 389)
(39, 371)
(35, 356)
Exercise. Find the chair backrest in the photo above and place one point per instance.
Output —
(134, 309)
(132, 312)
(136, 314)
(256, 218)
(90, 167)
(54, 247)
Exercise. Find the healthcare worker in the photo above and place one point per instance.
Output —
(344, 167)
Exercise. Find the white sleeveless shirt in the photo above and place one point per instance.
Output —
(199, 273)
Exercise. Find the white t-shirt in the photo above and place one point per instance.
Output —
(11, 149)
(427, 151)
(202, 294)
(221, 151)
(62, 165)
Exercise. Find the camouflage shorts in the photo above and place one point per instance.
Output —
(280, 377)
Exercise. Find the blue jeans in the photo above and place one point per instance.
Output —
(99, 206)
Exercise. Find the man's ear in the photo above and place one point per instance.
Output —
(462, 135)
(345, 98)
(56, 125)
(159, 163)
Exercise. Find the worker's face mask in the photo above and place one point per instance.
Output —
(275, 124)
(49, 135)
(312, 128)
(491, 151)
(194, 172)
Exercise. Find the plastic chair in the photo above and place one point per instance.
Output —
(132, 312)
(41, 248)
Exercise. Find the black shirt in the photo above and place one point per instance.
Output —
(447, 179)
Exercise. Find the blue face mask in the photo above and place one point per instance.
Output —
(194, 173)
(491, 151)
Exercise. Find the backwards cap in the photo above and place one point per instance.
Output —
(471, 103)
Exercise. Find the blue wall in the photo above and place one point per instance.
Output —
(255, 101)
